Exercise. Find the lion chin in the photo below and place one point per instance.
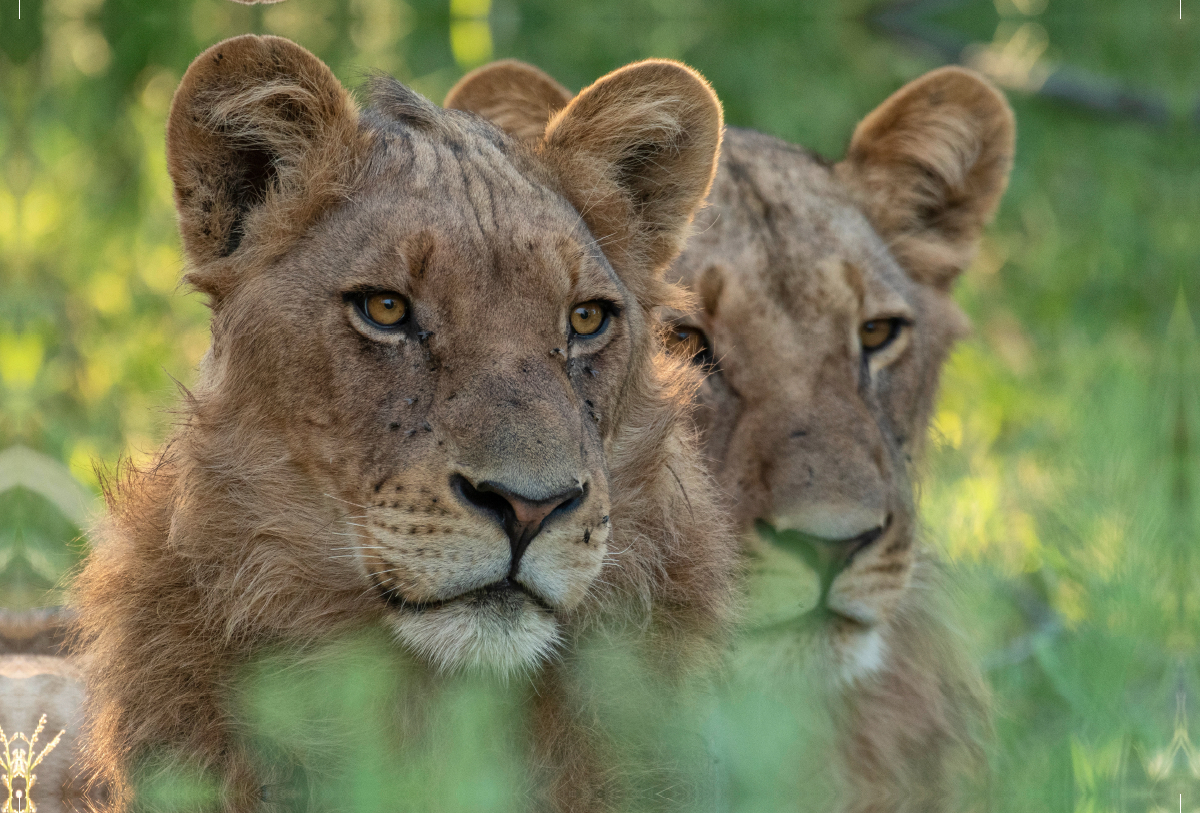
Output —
(499, 632)
(859, 653)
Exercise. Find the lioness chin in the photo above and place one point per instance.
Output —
(822, 317)
(435, 400)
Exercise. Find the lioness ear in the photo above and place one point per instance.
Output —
(261, 138)
(929, 166)
(515, 96)
(635, 153)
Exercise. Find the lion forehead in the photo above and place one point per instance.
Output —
(781, 226)
(461, 171)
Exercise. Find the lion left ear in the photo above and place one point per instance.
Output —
(515, 96)
(262, 138)
(929, 166)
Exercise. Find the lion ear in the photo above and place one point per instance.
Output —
(515, 96)
(929, 166)
(635, 153)
(260, 139)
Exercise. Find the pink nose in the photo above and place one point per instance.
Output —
(521, 516)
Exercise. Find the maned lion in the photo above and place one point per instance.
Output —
(823, 315)
(434, 344)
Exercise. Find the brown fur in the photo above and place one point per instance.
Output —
(808, 434)
(310, 486)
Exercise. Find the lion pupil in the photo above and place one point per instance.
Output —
(385, 309)
(586, 319)
(874, 334)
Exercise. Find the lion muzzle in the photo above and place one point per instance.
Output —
(521, 516)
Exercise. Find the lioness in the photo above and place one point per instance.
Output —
(433, 347)
(823, 315)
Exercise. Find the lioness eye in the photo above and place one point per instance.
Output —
(385, 308)
(879, 333)
(689, 343)
(588, 318)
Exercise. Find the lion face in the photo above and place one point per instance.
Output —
(466, 396)
(822, 357)
(823, 318)
(415, 312)
(821, 321)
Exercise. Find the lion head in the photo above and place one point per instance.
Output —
(435, 396)
(822, 317)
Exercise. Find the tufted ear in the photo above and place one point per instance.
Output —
(929, 166)
(515, 96)
(260, 140)
(635, 153)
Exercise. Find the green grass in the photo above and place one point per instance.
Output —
(1062, 478)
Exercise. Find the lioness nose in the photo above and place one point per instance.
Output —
(521, 516)
(828, 557)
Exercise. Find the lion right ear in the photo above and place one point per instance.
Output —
(515, 96)
(929, 166)
(261, 139)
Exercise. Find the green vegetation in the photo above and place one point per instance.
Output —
(1062, 479)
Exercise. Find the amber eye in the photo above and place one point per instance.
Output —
(879, 333)
(385, 308)
(689, 343)
(588, 318)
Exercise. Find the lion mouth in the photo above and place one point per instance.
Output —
(497, 594)
(823, 615)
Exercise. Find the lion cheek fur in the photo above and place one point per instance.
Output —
(563, 567)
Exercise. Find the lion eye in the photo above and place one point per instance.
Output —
(689, 343)
(879, 333)
(385, 308)
(588, 318)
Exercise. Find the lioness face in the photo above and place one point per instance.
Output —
(824, 317)
(822, 357)
(442, 344)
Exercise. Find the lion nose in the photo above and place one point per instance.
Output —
(521, 515)
(828, 557)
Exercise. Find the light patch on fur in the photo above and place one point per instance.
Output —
(465, 635)
(862, 656)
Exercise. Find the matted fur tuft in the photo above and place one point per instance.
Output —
(401, 103)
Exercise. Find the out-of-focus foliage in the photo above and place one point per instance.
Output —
(1062, 477)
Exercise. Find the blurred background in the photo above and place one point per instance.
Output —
(1063, 476)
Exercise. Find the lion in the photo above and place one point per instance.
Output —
(37, 680)
(44, 690)
(822, 316)
(435, 402)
